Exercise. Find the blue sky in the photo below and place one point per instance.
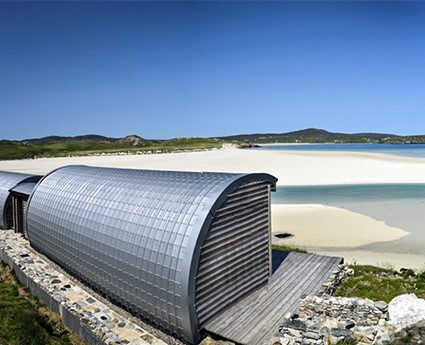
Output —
(172, 69)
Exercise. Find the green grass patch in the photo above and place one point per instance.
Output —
(24, 320)
(378, 283)
(288, 249)
(19, 150)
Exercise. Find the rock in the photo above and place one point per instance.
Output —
(331, 340)
(325, 330)
(210, 341)
(312, 335)
(382, 337)
(274, 341)
(349, 272)
(381, 305)
(350, 324)
(295, 324)
(382, 322)
(336, 332)
(331, 323)
(288, 316)
(295, 333)
(368, 330)
(406, 310)
(357, 335)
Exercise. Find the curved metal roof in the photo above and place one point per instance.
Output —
(9, 180)
(135, 234)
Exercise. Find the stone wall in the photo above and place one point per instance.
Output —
(94, 321)
(329, 320)
(336, 277)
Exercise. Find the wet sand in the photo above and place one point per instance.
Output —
(322, 226)
(376, 234)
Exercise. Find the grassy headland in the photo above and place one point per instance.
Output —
(313, 135)
(55, 146)
(92, 145)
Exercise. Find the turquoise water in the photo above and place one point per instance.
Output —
(398, 205)
(409, 150)
(343, 194)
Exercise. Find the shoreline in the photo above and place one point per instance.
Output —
(335, 231)
(292, 168)
(385, 259)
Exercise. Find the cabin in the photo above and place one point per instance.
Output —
(13, 206)
(175, 248)
(20, 195)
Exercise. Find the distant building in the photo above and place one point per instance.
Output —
(176, 248)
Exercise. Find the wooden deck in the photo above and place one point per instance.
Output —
(255, 319)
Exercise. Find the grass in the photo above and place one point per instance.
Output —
(24, 320)
(375, 283)
(16, 150)
(288, 249)
(381, 284)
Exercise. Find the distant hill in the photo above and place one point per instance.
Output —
(314, 135)
(134, 140)
(83, 145)
(88, 137)
(92, 144)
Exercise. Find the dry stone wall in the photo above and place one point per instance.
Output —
(329, 320)
(94, 321)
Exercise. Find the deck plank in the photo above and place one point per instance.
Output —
(275, 309)
(255, 319)
(252, 306)
(313, 286)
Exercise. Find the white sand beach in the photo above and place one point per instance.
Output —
(320, 228)
(291, 168)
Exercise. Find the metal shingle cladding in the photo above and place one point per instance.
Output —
(24, 188)
(9, 180)
(135, 235)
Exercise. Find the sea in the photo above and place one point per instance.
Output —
(335, 194)
(407, 150)
(353, 193)
(398, 205)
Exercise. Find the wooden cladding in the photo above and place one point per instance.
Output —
(235, 257)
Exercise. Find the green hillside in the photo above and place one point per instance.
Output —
(56, 146)
(94, 145)
(313, 135)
